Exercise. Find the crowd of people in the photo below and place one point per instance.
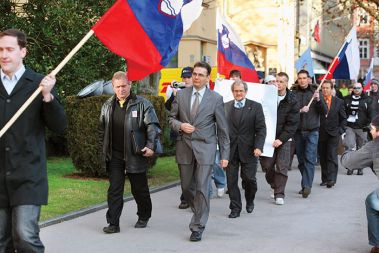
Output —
(214, 140)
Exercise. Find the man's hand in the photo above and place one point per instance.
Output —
(257, 152)
(224, 163)
(147, 152)
(187, 128)
(304, 109)
(47, 85)
(277, 143)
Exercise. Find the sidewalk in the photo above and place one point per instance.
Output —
(329, 220)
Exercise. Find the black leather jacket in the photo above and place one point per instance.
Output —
(145, 120)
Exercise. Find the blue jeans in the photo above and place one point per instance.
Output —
(218, 174)
(306, 152)
(19, 229)
(372, 212)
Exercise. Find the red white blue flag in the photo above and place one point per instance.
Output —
(231, 53)
(146, 32)
(347, 63)
(369, 77)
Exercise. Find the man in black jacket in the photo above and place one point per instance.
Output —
(360, 111)
(247, 133)
(306, 137)
(127, 120)
(332, 126)
(276, 167)
(23, 176)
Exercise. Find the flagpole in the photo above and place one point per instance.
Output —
(38, 91)
(329, 69)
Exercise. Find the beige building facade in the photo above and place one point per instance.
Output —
(275, 33)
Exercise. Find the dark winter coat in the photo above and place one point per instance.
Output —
(288, 117)
(23, 177)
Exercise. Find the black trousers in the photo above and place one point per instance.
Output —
(248, 175)
(327, 149)
(139, 187)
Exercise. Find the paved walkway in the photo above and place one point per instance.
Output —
(329, 220)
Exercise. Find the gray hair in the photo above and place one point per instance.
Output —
(239, 82)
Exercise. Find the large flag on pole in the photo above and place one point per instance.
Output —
(347, 62)
(231, 53)
(369, 76)
(305, 62)
(146, 32)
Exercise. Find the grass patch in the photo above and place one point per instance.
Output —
(67, 194)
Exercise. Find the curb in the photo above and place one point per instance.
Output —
(95, 208)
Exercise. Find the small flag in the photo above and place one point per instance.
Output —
(316, 33)
(305, 62)
(369, 77)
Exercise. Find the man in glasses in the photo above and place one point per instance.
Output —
(193, 116)
(360, 112)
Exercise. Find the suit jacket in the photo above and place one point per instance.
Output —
(210, 128)
(23, 173)
(332, 122)
(250, 133)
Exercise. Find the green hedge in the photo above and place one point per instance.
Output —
(82, 135)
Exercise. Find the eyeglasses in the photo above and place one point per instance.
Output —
(197, 74)
(357, 88)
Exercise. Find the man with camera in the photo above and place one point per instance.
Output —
(175, 86)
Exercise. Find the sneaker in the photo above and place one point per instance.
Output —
(220, 192)
(183, 205)
(141, 223)
(360, 172)
(279, 201)
(272, 195)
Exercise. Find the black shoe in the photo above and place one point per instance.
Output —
(306, 192)
(234, 214)
(196, 236)
(301, 191)
(141, 223)
(323, 184)
(360, 172)
(250, 208)
(349, 172)
(330, 184)
(111, 229)
(183, 205)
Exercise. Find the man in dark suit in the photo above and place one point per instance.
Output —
(247, 131)
(332, 126)
(23, 176)
(193, 116)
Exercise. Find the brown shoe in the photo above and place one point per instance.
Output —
(306, 192)
(374, 250)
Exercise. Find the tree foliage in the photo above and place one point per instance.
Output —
(371, 7)
(54, 28)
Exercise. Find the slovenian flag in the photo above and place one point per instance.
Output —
(369, 77)
(231, 53)
(146, 32)
(347, 62)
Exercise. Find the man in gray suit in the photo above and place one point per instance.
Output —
(196, 113)
(247, 130)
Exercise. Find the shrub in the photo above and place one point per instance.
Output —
(82, 135)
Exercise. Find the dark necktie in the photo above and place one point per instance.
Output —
(195, 106)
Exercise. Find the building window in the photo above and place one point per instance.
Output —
(363, 17)
(364, 45)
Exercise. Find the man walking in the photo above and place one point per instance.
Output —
(23, 176)
(193, 116)
(247, 131)
(128, 130)
(332, 126)
(306, 136)
(277, 166)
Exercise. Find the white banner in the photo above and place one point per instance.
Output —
(267, 95)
